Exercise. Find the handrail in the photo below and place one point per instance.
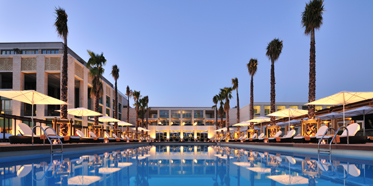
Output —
(348, 138)
(46, 171)
(45, 134)
(318, 145)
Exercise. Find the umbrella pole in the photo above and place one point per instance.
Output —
(289, 124)
(363, 123)
(32, 115)
(344, 122)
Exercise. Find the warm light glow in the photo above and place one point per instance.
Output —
(195, 160)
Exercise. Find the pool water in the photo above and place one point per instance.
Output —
(189, 166)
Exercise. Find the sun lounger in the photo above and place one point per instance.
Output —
(352, 130)
(85, 139)
(287, 138)
(125, 138)
(273, 139)
(311, 139)
(117, 139)
(52, 136)
(106, 135)
(26, 133)
(260, 138)
(93, 135)
(253, 138)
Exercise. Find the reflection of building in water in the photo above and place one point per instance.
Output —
(182, 160)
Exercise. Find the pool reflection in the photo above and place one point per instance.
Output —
(188, 165)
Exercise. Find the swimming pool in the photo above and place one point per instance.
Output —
(189, 166)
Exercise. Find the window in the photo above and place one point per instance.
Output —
(49, 51)
(100, 109)
(199, 122)
(108, 112)
(119, 108)
(210, 114)
(305, 107)
(78, 122)
(187, 123)
(7, 52)
(280, 108)
(29, 51)
(198, 114)
(187, 114)
(175, 113)
(293, 107)
(175, 122)
(120, 116)
(256, 110)
(108, 101)
(267, 109)
(163, 122)
(100, 100)
(317, 108)
(163, 114)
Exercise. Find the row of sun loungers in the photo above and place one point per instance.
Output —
(26, 136)
(290, 136)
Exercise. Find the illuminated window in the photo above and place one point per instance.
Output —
(198, 114)
(163, 114)
(187, 114)
(175, 113)
(256, 110)
(317, 108)
(280, 108)
(267, 109)
(294, 107)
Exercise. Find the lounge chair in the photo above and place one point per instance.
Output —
(7, 135)
(273, 139)
(310, 139)
(84, 138)
(253, 138)
(106, 135)
(52, 136)
(352, 130)
(93, 135)
(26, 137)
(117, 139)
(125, 138)
(286, 138)
(260, 138)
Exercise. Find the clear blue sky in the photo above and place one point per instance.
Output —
(180, 53)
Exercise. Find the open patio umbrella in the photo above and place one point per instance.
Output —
(122, 123)
(343, 98)
(289, 112)
(107, 119)
(241, 124)
(360, 111)
(81, 111)
(260, 120)
(31, 97)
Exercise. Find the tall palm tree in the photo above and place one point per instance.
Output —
(115, 74)
(274, 49)
(95, 64)
(146, 98)
(252, 67)
(129, 95)
(62, 30)
(215, 99)
(235, 87)
(136, 97)
(142, 107)
(226, 93)
(312, 19)
(221, 111)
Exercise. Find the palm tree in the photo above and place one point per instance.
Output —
(274, 49)
(235, 87)
(129, 95)
(115, 74)
(226, 93)
(215, 99)
(142, 107)
(312, 19)
(136, 97)
(146, 98)
(62, 30)
(95, 64)
(252, 67)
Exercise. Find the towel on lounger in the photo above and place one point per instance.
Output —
(307, 138)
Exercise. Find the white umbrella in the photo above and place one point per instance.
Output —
(289, 112)
(332, 115)
(81, 111)
(83, 180)
(31, 97)
(244, 123)
(260, 120)
(360, 111)
(122, 123)
(222, 129)
(289, 180)
(343, 98)
(107, 119)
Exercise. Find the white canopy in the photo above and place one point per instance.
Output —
(107, 119)
(222, 129)
(31, 97)
(81, 111)
(244, 123)
(260, 119)
(289, 112)
(122, 123)
(343, 98)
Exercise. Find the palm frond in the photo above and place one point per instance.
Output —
(312, 15)
(252, 66)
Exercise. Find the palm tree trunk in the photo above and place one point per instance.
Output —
(64, 80)
(238, 107)
(273, 92)
(312, 80)
(216, 116)
(128, 112)
(147, 117)
(97, 97)
(227, 123)
(116, 105)
(137, 121)
(252, 99)
(221, 121)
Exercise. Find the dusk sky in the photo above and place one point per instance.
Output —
(180, 53)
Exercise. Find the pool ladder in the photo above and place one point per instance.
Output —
(329, 151)
(49, 139)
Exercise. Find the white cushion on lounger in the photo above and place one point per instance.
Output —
(48, 130)
(261, 136)
(278, 133)
(93, 135)
(81, 134)
(321, 131)
(254, 136)
(352, 130)
(25, 129)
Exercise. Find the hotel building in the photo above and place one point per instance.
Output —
(37, 66)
